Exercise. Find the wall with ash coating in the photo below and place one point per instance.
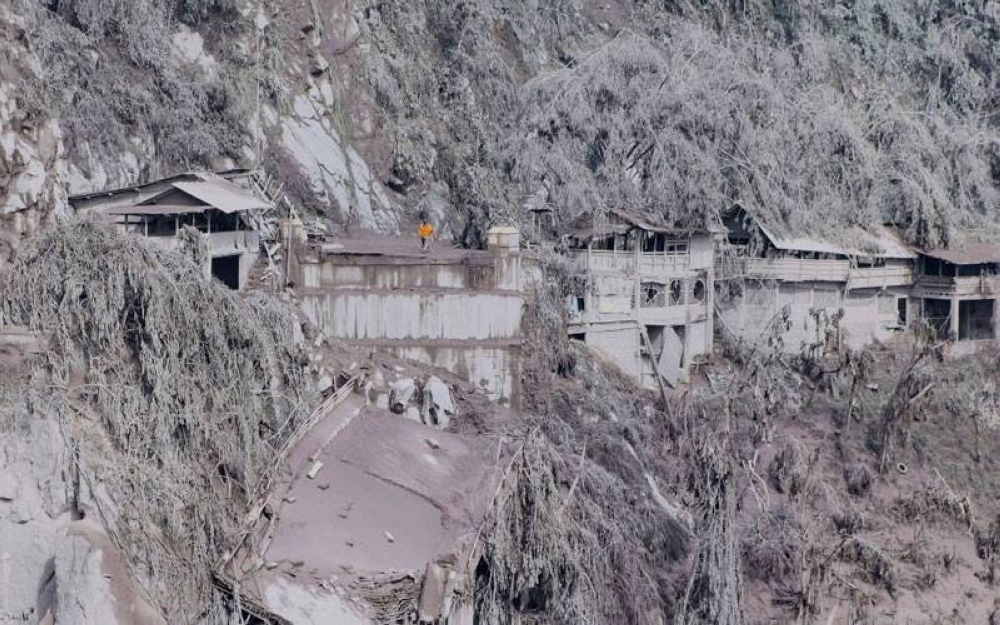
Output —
(462, 313)
(868, 314)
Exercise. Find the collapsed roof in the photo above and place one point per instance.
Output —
(881, 241)
(621, 221)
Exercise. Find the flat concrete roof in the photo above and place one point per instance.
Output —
(392, 494)
(389, 247)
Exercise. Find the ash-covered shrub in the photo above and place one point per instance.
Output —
(859, 478)
(771, 550)
(108, 73)
(174, 392)
(877, 566)
(788, 470)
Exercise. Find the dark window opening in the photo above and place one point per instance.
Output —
(937, 314)
(975, 320)
(937, 267)
(698, 292)
(162, 227)
(226, 269)
(653, 295)
(676, 293)
(901, 312)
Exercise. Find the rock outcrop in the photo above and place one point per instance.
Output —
(32, 155)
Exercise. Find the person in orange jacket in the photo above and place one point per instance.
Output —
(425, 231)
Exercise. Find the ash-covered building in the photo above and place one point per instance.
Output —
(649, 308)
(222, 207)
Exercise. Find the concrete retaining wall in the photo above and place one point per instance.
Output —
(461, 313)
(415, 314)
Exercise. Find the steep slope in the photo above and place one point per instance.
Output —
(814, 114)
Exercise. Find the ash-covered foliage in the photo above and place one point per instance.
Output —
(174, 392)
(109, 73)
(445, 76)
(578, 535)
(814, 115)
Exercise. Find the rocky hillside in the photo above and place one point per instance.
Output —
(812, 113)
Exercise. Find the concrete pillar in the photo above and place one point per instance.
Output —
(954, 317)
(503, 238)
(996, 320)
(293, 236)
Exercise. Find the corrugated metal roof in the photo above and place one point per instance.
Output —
(882, 242)
(223, 195)
(968, 254)
(185, 176)
(135, 188)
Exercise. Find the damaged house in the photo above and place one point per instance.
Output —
(955, 294)
(830, 294)
(649, 306)
(222, 207)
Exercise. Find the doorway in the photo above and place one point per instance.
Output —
(975, 320)
(226, 269)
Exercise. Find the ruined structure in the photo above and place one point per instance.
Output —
(376, 520)
(649, 308)
(955, 293)
(216, 205)
(451, 308)
(834, 294)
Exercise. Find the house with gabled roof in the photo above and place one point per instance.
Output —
(224, 212)
(955, 293)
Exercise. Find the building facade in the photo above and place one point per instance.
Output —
(955, 295)
(829, 295)
(648, 308)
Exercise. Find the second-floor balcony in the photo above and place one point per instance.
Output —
(630, 262)
(833, 270)
(951, 286)
(797, 269)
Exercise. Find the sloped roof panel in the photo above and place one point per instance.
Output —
(223, 195)
(969, 254)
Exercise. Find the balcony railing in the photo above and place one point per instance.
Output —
(959, 285)
(798, 269)
(654, 263)
(877, 277)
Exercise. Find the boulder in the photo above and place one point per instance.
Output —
(438, 407)
(400, 394)
(92, 583)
